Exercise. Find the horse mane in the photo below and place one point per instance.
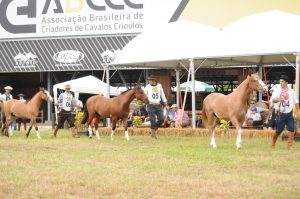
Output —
(27, 101)
(245, 81)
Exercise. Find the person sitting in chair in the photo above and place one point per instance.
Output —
(255, 117)
(180, 119)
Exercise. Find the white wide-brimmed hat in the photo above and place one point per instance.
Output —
(8, 88)
(174, 106)
(67, 86)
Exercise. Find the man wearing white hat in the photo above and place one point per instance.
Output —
(155, 94)
(66, 102)
(5, 97)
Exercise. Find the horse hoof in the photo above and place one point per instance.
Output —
(90, 137)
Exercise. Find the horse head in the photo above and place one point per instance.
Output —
(45, 95)
(256, 83)
(139, 93)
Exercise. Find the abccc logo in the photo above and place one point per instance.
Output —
(31, 11)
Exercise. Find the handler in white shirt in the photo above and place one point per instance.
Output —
(155, 94)
(66, 103)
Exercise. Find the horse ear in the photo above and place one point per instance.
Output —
(42, 88)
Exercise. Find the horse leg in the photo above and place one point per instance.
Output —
(96, 128)
(36, 129)
(125, 126)
(9, 121)
(238, 127)
(90, 131)
(113, 127)
(212, 131)
(91, 117)
(27, 134)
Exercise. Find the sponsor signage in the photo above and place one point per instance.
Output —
(25, 60)
(68, 57)
(48, 18)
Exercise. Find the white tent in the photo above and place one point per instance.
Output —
(165, 45)
(266, 38)
(88, 84)
(199, 87)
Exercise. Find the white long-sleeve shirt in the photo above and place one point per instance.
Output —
(155, 94)
(6, 97)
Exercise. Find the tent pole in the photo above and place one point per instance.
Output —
(184, 99)
(261, 77)
(297, 74)
(192, 67)
(107, 90)
(177, 85)
(49, 106)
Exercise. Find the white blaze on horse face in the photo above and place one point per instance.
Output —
(49, 96)
(263, 85)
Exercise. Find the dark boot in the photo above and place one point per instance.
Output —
(290, 140)
(74, 132)
(274, 139)
(153, 133)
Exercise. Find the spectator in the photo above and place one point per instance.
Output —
(255, 117)
(21, 120)
(176, 121)
(139, 111)
(5, 97)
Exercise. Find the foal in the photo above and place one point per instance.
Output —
(17, 109)
(233, 107)
(117, 108)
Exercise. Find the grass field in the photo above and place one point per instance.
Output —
(170, 167)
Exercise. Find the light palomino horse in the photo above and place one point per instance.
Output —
(117, 108)
(233, 107)
(30, 110)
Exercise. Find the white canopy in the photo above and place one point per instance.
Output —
(164, 46)
(199, 87)
(262, 38)
(266, 38)
(88, 84)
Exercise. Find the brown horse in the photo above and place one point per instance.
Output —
(117, 108)
(233, 107)
(30, 110)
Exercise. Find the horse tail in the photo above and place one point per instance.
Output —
(86, 115)
(204, 115)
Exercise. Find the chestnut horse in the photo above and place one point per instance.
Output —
(117, 108)
(30, 110)
(233, 107)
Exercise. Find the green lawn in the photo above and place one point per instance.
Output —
(170, 167)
